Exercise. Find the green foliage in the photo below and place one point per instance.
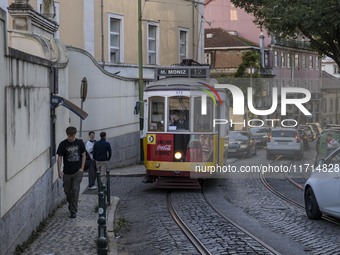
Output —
(120, 225)
(317, 20)
(251, 59)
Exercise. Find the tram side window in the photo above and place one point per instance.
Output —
(203, 123)
(156, 114)
(179, 113)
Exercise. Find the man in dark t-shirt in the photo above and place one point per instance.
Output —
(71, 152)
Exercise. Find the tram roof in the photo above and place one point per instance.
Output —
(178, 83)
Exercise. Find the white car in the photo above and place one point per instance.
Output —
(285, 142)
(322, 189)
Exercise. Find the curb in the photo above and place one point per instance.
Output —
(111, 209)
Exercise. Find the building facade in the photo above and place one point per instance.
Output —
(108, 30)
(286, 63)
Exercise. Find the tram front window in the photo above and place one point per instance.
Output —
(156, 113)
(203, 123)
(179, 113)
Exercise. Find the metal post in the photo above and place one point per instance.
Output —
(81, 121)
(140, 75)
(108, 187)
(102, 28)
(102, 240)
(101, 205)
(83, 95)
(99, 181)
(140, 57)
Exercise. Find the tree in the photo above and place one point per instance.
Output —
(317, 20)
(251, 59)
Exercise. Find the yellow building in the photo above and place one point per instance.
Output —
(172, 30)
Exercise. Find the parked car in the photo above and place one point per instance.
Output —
(261, 135)
(241, 143)
(286, 142)
(321, 191)
(310, 131)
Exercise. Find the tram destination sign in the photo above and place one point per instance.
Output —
(183, 72)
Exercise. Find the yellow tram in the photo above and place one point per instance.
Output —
(180, 138)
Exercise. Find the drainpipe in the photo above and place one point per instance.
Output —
(193, 30)
(102, 28)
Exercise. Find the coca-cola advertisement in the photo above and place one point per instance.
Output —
(160, 147)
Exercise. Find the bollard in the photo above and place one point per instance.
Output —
(108, 187)
(102, 236)
(101, 240)
(101, 204)
(99, 182)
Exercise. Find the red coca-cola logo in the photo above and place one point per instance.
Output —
(164, 147)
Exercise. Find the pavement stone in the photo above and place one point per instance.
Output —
(65, 236)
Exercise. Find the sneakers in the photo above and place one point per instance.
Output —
(92, 187)
(73, 215)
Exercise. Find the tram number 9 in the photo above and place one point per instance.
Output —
(179, 92)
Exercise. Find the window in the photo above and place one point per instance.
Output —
(317, 62)
(153, 43)
(336, 69)
(303, 61)
(116, 42)
(207, 58)
(179, 113)
(282, 59)
(203, 123)
(266, 59)
(156, 113)
(288, 60)
(296, 61)
(276, 64)
(310, 62)
(331, 106)
(183, 44)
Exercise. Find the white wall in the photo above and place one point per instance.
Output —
(109, 102)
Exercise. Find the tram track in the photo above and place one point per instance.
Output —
(186, 230)
(279, 194)
(201, 248)
(266, 246)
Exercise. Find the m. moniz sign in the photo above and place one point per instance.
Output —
(182, 72)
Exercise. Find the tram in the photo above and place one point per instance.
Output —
(180, 140)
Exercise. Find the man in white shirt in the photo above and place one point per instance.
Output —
(92, 170)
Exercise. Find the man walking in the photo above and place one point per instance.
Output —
(102, 154)
(71, 152)
(93, 168)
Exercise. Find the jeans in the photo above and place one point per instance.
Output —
(92, 173)
(72, 188)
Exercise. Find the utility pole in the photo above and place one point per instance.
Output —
(140, 62)
(140, 76)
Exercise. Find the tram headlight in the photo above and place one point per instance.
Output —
(178, 155)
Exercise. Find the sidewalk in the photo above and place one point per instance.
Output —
(62, 235)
